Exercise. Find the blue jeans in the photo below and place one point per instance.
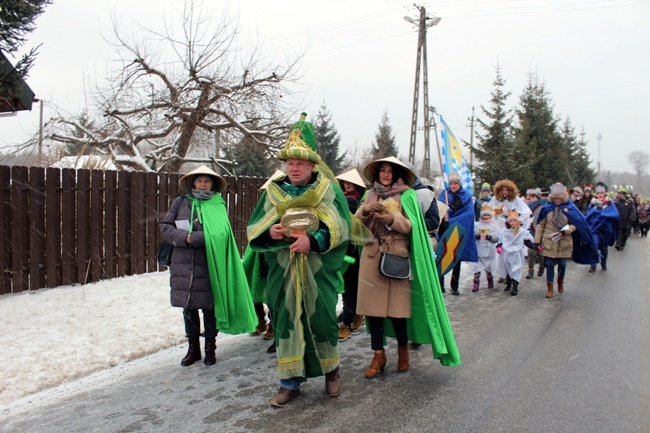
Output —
(549, 264)
(291, 383)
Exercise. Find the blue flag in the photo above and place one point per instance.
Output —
(453, 161)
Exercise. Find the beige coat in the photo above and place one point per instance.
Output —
(379, 296)
(556, 250)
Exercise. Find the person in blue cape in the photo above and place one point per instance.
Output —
(602, 217)
(563, 233)
(461, 210)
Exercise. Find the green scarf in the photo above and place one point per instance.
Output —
(233, 305)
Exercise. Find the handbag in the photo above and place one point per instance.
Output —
(393, 266)
(165, 250)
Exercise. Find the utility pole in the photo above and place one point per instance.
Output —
(423, 23)
(471, 139)
(599, 137)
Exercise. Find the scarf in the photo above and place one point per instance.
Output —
(390, 191)
(559, 219)
(200, 194)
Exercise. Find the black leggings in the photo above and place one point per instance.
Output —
(377, 332)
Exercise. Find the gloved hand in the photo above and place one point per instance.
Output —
(386, 219)
(499, 248)
(478, 236)
(456, 204)
(488, 237)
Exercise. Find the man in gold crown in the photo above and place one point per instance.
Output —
(301, 225)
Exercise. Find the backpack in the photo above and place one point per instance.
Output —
(165, 249)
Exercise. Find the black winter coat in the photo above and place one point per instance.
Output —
(188, 274)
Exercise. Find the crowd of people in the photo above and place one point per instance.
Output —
(315, 236)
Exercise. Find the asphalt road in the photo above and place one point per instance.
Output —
(579, 362)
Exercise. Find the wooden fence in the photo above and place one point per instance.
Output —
(66, 226)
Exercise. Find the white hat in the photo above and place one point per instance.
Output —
(352, 176)
(274, 176)
(186, 182)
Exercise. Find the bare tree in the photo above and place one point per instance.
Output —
(176, 97)
(640, 161)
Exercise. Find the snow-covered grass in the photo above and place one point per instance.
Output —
(51, 336)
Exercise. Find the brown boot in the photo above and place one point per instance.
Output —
(210, 348)
(402, 358)
(344, 332)
(377, 364)
(549, 292)
(193, 352)
(268, 335)
(261, 327)
(560, 285)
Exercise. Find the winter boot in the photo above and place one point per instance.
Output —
(508, 284)
(515, 288)
(357, 323)
(261, 326)
(549, 291)
(592, 269)
(210, 347)
(531, 271)
(402, 358)
(344, 332)
(377, 364)
(193, 352)
(268, 335)
(476, 283)
(490, 279)
(540, 271)
(560, 285)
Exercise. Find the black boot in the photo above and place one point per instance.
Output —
(515, 286)
(193, 353)
(508, 284)
(210, 348)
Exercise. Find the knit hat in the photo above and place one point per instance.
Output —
(301, 143)
(558, 191)
(536, 192)
(623, 190)
(588, 188)
(486, 209)
(578, 190)
(545, 192)
(485, 187)
(186, 182)
(454, 177)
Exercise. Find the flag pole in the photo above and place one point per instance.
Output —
(435, 131)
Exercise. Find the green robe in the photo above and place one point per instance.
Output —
(429, 323)
(301, 289)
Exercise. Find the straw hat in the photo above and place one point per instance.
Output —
(274, 176)
(185, 182)
(372, 167)
(352, 176)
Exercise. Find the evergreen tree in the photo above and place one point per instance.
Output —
(539, 157)
(384, 144)
(494, 147)
(16, 21)
(328, 140)
(579, 170)
(250, 157)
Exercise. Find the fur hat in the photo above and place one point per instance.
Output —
(486, 209)
(578, 190)
(185, 183)
(373, 167)
(507, 184)
(558, 191)
(454, 177)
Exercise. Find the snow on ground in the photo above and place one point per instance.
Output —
(51, 336)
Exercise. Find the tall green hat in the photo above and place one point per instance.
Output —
(301, 143)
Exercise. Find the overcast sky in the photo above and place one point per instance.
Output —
(360, 58)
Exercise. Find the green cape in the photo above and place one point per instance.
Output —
(429, 323)
(233, 305)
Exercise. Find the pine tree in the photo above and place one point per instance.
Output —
(250, 157)
(580, 172)
(328, 140)
(539, 157)
(16, 21)
(385, 144)
(493, 149)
